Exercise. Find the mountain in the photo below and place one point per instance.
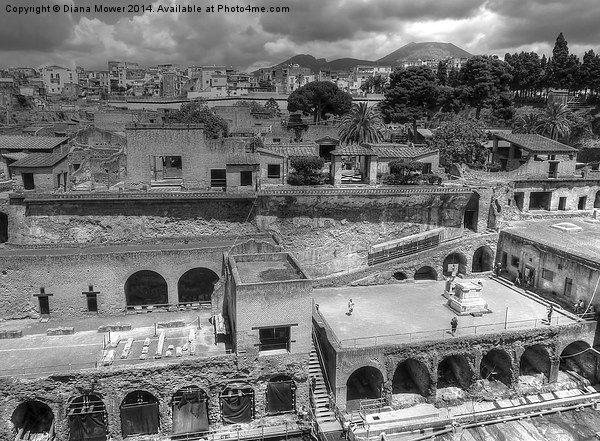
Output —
(423, 51)
(317, 64)
(411, 51)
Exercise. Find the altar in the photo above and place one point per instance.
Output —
(464, 297)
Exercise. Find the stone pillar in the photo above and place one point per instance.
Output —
(526, 200)
(336, 168)
(372, 165)
(554, 368)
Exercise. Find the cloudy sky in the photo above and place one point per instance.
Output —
(366, 29)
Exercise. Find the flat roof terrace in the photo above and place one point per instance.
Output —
(266, 267)
(37, 354)
(409, 312)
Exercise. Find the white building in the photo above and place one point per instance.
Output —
(55, 78)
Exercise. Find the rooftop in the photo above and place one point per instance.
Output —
(39, 160)
(535, 143)
(389, 150)
(403, 313)
(8, 142)
(581, 243)
(269, 267)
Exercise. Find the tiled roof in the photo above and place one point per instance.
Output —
(8, 142)
(535, 143)
(293, 149)
(389, 150)
(327, 140)
(353, 150)
(36, 160)
(242, 159)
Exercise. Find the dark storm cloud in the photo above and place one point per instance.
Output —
(538, 21)
(340, 19)
(32, 32)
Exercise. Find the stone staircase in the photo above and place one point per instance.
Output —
(325, 417)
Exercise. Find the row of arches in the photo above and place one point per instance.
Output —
(139, 411)
(483, 260)
(413, 376)
(150, 288)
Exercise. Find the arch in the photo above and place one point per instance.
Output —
(237, 403)
(190, 410)
(597, 200)
(455, 258)
(425, 273)
(399, 275)
(483, 259)
(146, 288)
(139, 414)
(87, 419)
(411, 376)
(281, 395)
(364, 383)
(196, 285)
(33, 417)
(496, 365)
(3, 227)
(454, 371)
(578, 359)
(535, 360)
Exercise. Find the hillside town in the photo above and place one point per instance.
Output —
(401, 249)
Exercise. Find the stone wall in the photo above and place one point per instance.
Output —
(113, 384)
(386, 358)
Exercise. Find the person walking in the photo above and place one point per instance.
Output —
(519, 278)
(350, 307)
(454, 325)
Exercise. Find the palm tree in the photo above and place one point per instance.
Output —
(556, 121)
(361, 124)
(528, 123)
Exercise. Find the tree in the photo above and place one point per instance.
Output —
(361, 124)
(375, 84)
(267, 85)
(411, 95)
(557, 122)
(319, 98)
(442, 73)
(484, 79)
(461, 142)
(307, 170)
(273, 108)
(197, 112)
(564, 67)
(528, 123)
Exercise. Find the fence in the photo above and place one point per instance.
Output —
(446, 333)
(411, 244)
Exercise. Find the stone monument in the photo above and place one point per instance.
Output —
(466, 297)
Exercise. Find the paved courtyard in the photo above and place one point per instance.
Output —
(417, 311)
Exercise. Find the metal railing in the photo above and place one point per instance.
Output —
(446, 333)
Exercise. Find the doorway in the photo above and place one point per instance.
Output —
(568, 286)
(44, 305)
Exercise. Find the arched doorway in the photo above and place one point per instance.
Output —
(3, 227)
(411, 377)
(496, 365)
(399, 275)
(577, 358)
(196, 285)
(364, 383)
(146, 288)
(454, 371)
(88, 419)
(425, 273)
(139, 414)
(33, 417)
(483, 260)
(190, 411)
(534, 361)
(281, 395)
(459, 260)
(237, 403)
(597, 200)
